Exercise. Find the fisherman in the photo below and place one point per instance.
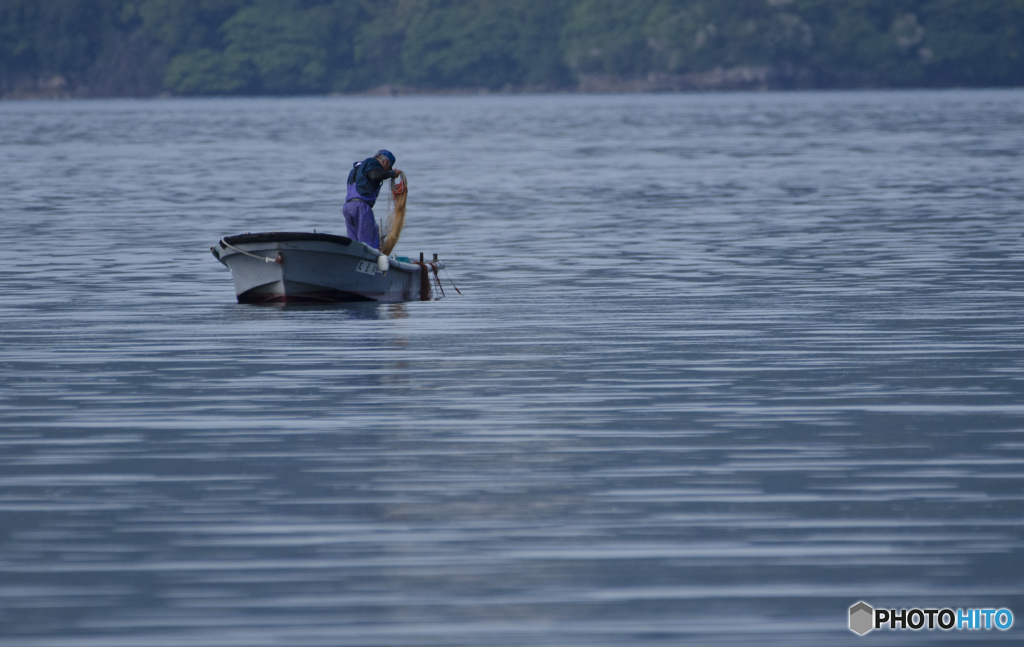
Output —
(363, 188)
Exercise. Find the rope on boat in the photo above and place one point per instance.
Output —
(261, 258)
(438, 279)
(425, 291)
(450, 281)
(396, 214)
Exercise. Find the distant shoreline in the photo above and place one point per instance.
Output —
(50, 91)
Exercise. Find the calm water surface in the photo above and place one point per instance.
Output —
(723, 366)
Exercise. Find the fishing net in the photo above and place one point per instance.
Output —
(391, 228)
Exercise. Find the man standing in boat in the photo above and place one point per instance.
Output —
(363, 188)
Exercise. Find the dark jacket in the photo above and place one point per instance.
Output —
(368, 175)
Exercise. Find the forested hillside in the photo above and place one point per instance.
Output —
(238, 47)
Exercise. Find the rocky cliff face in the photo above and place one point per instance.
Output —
(45, 87)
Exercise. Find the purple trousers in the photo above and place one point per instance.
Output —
(361, 224)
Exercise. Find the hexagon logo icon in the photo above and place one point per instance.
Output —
(862, 618)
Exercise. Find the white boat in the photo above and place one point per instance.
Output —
(296, 267)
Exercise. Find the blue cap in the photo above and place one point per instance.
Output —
(389, 155)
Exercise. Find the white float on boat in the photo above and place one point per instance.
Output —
(296, 267)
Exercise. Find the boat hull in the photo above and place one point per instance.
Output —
(303, 268)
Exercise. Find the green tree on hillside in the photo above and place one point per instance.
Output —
(273, 47)
(975, 43)
(479, 43)
(118, 47)
(51, 38)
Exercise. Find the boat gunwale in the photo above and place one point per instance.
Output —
(285, 236)
(274, 239)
